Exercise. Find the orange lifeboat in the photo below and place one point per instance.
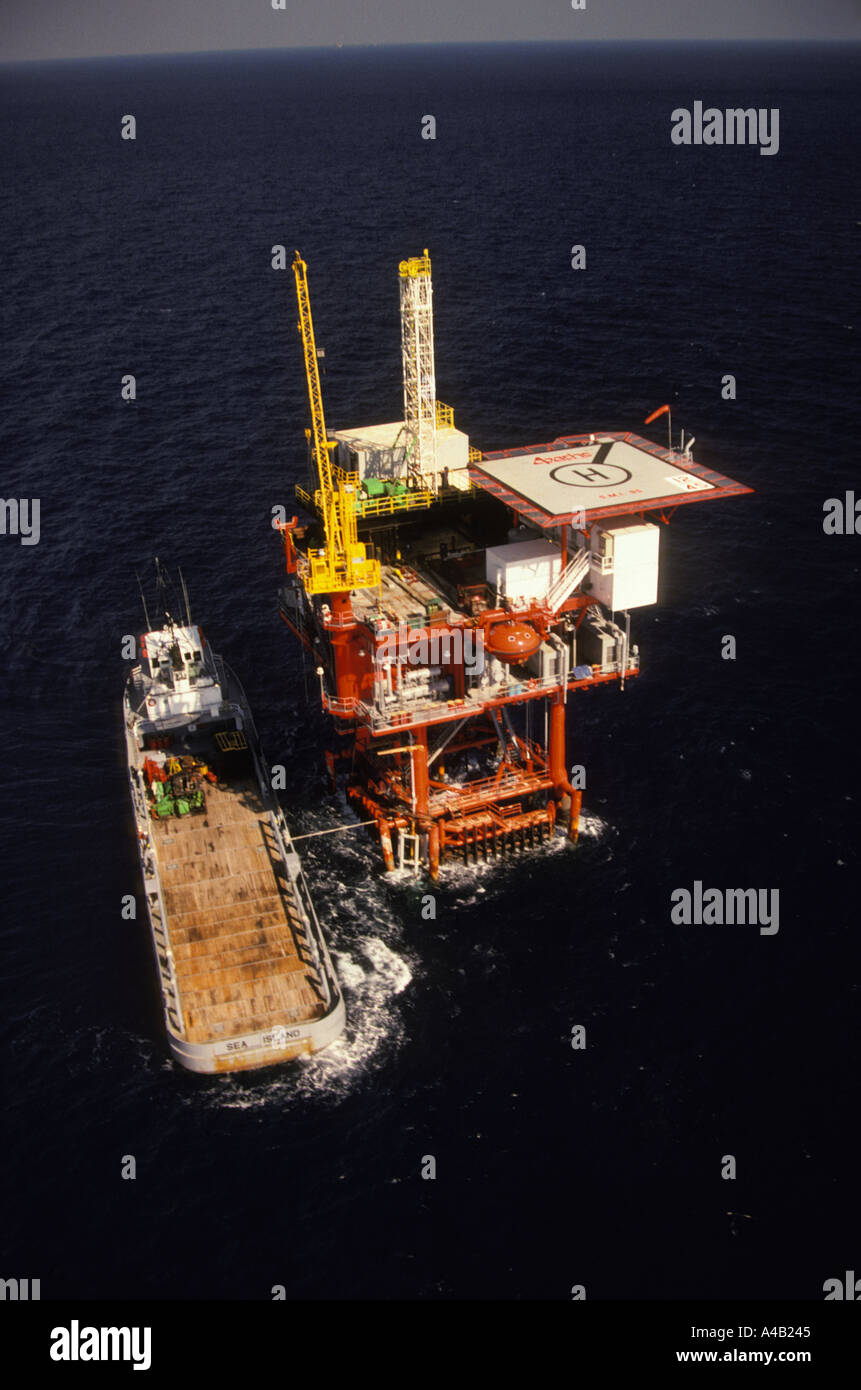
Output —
(512, 641)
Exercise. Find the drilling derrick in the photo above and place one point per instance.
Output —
(460, 599)
(420, 408)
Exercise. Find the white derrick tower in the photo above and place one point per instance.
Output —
(418, 363)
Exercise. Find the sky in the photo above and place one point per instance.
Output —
(44, 29)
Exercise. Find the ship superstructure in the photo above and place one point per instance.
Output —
(454, 601)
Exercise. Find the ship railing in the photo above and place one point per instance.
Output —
(157, 912)
(241, 707)
(291, 859)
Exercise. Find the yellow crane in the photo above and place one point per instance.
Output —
(344, 564)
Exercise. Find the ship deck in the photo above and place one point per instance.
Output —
(240, 954)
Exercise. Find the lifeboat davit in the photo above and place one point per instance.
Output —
(512, 641)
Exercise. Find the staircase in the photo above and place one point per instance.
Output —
(568, 580)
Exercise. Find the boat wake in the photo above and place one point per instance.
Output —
(372, 974)
(592, 827)
(494, 876)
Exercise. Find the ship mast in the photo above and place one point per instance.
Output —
(185, 598)
(143, 601)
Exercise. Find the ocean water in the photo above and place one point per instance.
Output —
(555, 1167)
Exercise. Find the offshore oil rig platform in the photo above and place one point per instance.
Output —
(453, 600)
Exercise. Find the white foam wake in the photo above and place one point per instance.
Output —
(371, 974)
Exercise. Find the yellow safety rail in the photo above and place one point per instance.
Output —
(231, 741)
(375, 506)
(444, 416)
(344, 564)
(406, 502)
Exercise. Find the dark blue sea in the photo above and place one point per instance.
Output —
(555, 1167)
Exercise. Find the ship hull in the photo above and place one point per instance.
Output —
(222, 951)
(245, 1053)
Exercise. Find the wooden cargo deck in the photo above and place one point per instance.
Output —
(240, 952)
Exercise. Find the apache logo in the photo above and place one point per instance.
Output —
(78, 1343)
(578, 455)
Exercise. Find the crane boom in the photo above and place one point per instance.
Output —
(344, 564)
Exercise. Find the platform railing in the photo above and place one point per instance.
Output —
(403, 713)
(412, 499)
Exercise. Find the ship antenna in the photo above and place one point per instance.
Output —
(143, 601)
(161, 580)
(185, 596)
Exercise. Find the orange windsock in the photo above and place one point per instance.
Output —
(661, 410)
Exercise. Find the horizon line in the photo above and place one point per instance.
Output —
(700, 41)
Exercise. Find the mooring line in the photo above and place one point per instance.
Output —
(311, 833)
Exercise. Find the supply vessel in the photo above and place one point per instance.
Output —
(246, 976)
(454, 601)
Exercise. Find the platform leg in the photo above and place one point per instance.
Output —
(386, 843)
(433, 850)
